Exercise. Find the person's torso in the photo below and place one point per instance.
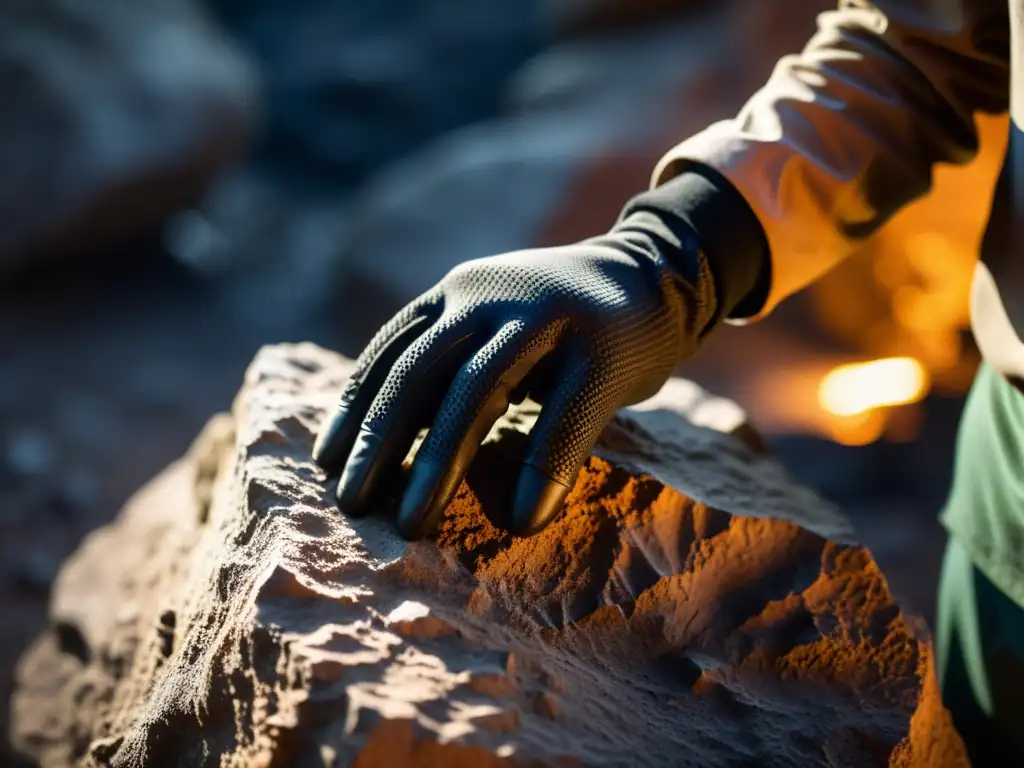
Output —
(997, 292)
(985, 511)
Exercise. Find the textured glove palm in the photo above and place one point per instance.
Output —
(585, 329)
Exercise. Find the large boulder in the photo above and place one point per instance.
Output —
(114, 114)
(692, 607)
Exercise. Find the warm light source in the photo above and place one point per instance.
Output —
(857, 388)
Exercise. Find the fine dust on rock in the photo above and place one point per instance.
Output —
(725, 618)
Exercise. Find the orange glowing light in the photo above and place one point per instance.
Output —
(859, 388)
(861, 429)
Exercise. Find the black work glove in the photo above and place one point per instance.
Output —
(584, 329)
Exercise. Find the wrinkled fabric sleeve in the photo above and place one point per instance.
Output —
(850, 129)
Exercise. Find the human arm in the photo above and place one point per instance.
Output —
(849, 131)
(740, 216)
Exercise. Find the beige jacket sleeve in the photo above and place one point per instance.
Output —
(849, 130)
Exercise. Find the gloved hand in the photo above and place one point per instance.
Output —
(584, 329)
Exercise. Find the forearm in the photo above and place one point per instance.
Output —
(849, 130)
(701, 203)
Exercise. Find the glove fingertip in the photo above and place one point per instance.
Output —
(418, 515)
(327, 449)
(538, 501)
(353, 490)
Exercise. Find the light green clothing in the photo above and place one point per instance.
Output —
(979, 646)
(979, 637)
(985, 511)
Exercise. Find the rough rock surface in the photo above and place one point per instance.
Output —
(692, 607)
(141, 103)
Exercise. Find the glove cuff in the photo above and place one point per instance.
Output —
(698, 216)
(680, 265)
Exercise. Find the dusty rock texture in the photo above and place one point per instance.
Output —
(693, 607)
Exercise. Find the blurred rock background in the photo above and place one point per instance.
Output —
(182, 182)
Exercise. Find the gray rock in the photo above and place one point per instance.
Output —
(29, 453)
(353, 84)
(35, 570)
(578, 17)
(77, 491)
(114, 114)
(692, 607)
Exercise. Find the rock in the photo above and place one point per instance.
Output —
(35, 570)
(588, 17)
(29, 453)
(78, 491)
(140, 104)
(693, 606)
(351, 85)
